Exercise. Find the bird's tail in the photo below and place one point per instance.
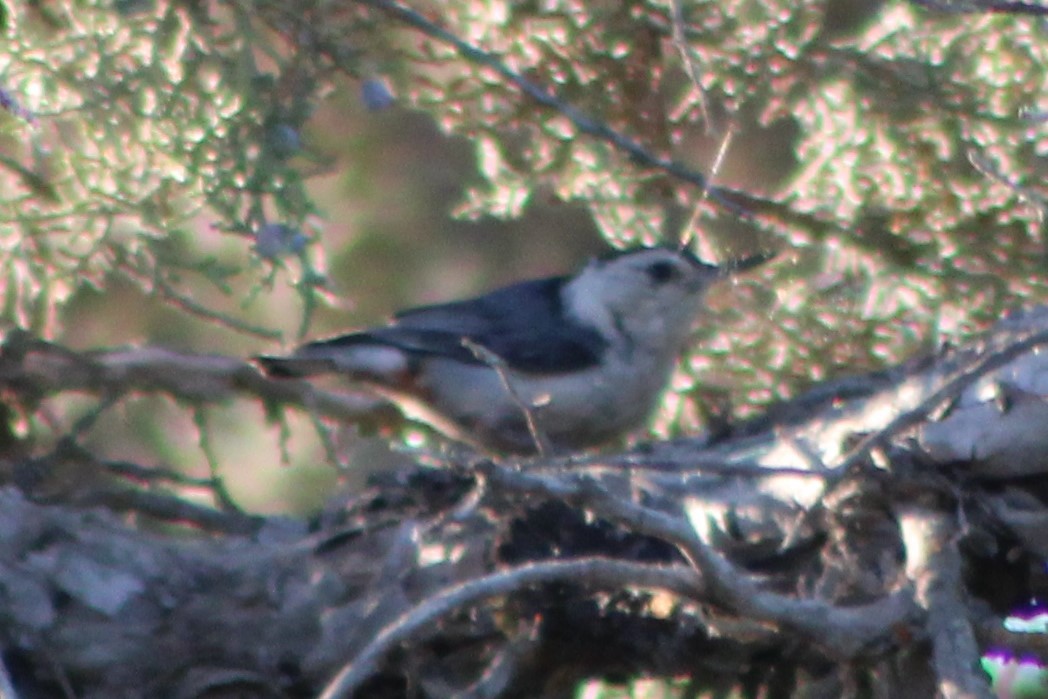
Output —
(358, 356)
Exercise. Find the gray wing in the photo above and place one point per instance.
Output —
(524, 324)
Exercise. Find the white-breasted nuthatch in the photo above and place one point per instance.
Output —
(583, 359)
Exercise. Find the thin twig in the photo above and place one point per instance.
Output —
(161, 506)
(685, 467)
(718, 161)
(150, 474)
(171, 508)
(483, 354)
(982, 162)
(687, 57)
(172, 296)
(722, 152)
(222, 496)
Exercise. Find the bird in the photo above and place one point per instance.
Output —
(552, 365)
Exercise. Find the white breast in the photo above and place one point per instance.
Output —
(472, 403)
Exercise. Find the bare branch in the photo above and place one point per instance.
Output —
(36, 368)
(950, 390)
(695, 464)
(599, 573)
(842, 631)
(933, 565)
(170, 508)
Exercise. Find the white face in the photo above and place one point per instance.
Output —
(651, 296)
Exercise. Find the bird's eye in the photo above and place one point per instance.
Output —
(662, 272)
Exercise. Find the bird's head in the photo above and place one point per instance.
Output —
(649, 296)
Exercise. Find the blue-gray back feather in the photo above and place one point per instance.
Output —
(523, 324)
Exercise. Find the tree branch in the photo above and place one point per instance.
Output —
(595, 573)
(842, 631)
(933, 565)
(986, 362)
(35, 368)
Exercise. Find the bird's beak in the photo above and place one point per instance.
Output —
(729, 267)
(744, 263)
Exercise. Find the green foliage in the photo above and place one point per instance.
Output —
(145, 130)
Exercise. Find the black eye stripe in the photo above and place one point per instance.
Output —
(661, 272)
